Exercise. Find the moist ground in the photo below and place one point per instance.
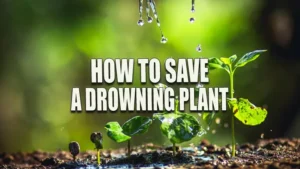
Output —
(272, 154)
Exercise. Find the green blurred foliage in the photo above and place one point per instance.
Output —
(49, 44)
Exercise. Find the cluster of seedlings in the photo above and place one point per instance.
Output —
(180, 127)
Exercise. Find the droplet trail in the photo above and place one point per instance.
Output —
(193, 6)
(192, 19)
(149, 18)
(153, 7)
(140, 21)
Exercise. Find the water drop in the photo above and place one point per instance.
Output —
(140, 22)
(150, 19)
(193, 10)
(192, 20)
(193, 6)
(208, 128)
(199, 85)
(198, 48)
(164, 40)
(154, 11)
(262, 135)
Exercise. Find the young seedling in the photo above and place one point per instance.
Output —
(97, 139)
(135, 125)
(74, 149)
(242, 109)
(178, 127)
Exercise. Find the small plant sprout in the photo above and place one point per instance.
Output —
(134, 126)
(97, 139)
(241, 108)
(178, 127)
(74, 149)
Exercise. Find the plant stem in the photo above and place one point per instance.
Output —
(232, 115)
(128, 147)
(98, 156)
(174, 149)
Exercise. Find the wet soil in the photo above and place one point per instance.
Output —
(271, 154)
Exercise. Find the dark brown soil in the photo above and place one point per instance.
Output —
(271, 154)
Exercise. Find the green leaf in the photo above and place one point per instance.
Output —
(249, 57)
(178, 127)
(208, 117)
(216, 63)
(136, 125)
(232, 58)
(247, 112)
(226, 61)
(115, 132)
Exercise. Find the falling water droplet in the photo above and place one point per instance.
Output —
(192, 20)
(140, 22)
(153, 7)
(193, 6)
(208, 128)
(262, 135)
(150, 19)
(198, 48)
(164, 39)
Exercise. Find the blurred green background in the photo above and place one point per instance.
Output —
(46, 47)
